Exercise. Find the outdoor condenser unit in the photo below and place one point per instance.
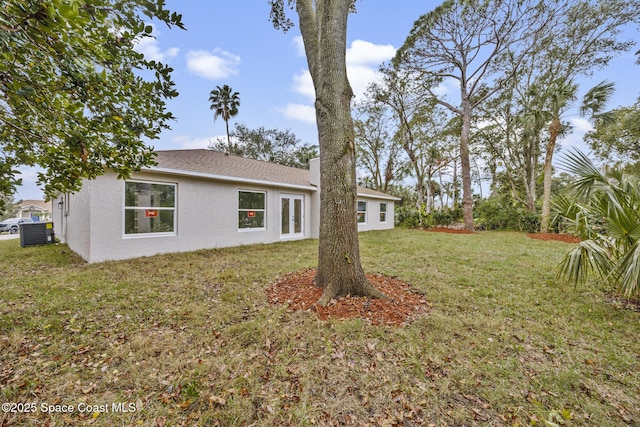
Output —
(36, 233)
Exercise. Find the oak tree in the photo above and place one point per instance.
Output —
(323, 25)
(618, 139)
(269, 145)
(76, 97)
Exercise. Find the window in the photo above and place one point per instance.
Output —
(383, 212)
(251, 210)
(362, 212)
(149, 208)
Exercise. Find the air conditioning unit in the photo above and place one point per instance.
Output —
(36, 233)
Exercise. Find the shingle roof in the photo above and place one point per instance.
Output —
(363, 191)
(215, 164)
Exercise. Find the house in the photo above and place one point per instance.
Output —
(38, 210)
(198, 199)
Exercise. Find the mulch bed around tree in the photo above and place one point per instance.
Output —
(448, 230)
(554, 236)
(298, 291)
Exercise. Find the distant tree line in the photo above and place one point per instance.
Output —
(269, 145)
(483, 92)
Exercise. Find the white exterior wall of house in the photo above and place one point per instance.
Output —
(206, 217)
(41, 210)
(314, 177)
(72, 220)
(92, 221)
(373, 220)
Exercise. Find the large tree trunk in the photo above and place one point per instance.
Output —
(532, 167)
(324, 31)
(465, 165)
(454, 186)
(545, 216)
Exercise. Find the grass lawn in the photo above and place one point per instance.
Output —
(189, 339)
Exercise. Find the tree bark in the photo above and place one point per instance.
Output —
(465, 165)
(545, 215)
(324, 31)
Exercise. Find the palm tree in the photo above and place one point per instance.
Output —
(560, 97)
(224, 103)
(604, 210)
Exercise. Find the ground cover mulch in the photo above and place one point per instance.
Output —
(403, 305)
(554, 236)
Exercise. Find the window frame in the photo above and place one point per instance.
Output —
(383, 213)
(363, 212)
(263, 210)
(125, 208)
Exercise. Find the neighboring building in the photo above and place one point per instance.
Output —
(197, 199)
(38, 210)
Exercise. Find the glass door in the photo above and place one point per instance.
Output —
(291, 216)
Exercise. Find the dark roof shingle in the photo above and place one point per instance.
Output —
(221, 164)
(217, 164)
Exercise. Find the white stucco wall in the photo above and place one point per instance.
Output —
(373, 206)
(373, 214)
(92, 220)
(314, 170)
(71, 221)
(206, 217)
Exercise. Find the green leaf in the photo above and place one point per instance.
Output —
(67, 74)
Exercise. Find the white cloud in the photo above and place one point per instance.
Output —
(301, 112)
(299, 45)
(580, 125)
(363, 60)
(360, 77)
(447, 87)
(150, 48)
(575, 139)
(214, 65)
(363, 52)
(29, 190)
(303, 84)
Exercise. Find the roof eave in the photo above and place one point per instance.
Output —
(381, 197)
(230, 178)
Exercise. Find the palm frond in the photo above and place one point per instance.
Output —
(596, 98)
(588, 256)
(573, 215)
(606, 209)
(587, 174)
(627, 271)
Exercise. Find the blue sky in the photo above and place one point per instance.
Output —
(233, 42)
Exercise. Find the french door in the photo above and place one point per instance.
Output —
(291, 216)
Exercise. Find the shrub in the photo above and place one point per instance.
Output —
(413, 218)
(604, 210)
(446, 216)
(500, 213)
(407, 217)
